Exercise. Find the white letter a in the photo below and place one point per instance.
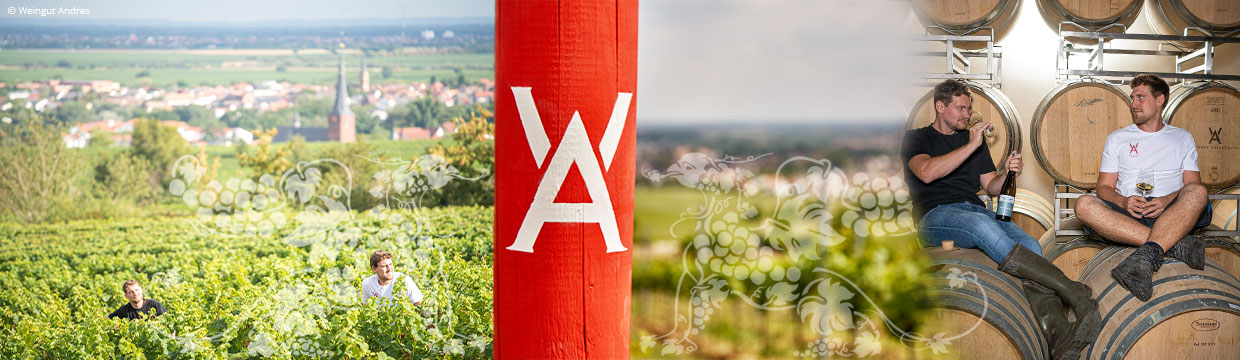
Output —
(574, 149)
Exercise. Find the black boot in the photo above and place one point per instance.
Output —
(1191, 250)
(1136, 273)
(1026, 264)
(1049, 310)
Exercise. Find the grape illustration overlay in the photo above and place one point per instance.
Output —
(778, 264)
(339, 240)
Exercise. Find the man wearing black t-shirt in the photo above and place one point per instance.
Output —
(138, 307)
(946, 164)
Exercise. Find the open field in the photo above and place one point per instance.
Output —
(383, 150)
(195, 68)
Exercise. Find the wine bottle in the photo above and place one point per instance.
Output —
(1007, 198)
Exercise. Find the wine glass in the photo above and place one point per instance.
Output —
(975, 117)
(1145, 183)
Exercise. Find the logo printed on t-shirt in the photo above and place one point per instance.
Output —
(1132, 149)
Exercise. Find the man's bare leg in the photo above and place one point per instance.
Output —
(1136, 272)
(1179, 218)
(1110, 224)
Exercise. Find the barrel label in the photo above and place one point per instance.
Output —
(1205, 324)
(1215, 100)
(1200, 148)
(1088, 102)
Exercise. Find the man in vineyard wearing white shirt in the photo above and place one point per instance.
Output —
(1165, 157)
(384, 282)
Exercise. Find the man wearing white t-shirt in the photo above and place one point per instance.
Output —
(385, 280)
(1158, 154)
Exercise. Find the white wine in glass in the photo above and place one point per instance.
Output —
(1145, 183)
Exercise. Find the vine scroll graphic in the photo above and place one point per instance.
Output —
(815, 212)
(319, 194)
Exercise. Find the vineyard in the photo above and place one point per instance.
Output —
(246, 295)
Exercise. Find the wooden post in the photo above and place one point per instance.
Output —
(566, 82)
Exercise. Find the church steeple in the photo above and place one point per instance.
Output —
(342, 93)
(341, 123)
(365, 85)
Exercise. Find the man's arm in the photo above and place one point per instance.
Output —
(928, 169)
(1107, 191)
(159, 308)
(415, 294)
(117, 313)
(365, 292)
(993, 182)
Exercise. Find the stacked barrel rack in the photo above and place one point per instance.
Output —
(1193, 314)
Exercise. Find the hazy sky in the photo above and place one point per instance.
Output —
(699, 60)
(783, 61)
(257, 10)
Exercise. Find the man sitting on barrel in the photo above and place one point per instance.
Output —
(1149, 191)
(945, 165)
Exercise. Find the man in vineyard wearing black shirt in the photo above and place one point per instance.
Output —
(945, 164)
(138, 307)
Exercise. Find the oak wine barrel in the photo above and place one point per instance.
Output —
(1172, 17)
(1089, 16)
(1209, 110)
(1070, 253)
(1032, 213)
(1192, 314)
(994, 107)
(1007, 327)
(1070, 128)
(1224, 251)
(1224, 211)
(961, 17)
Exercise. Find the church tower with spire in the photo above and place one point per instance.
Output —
(341, 123)
(365, 77)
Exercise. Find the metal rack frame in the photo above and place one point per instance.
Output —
(1097, 54)
(958, 65)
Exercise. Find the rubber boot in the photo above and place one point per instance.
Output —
(1048, 309)
(1025, 264)
(1191, 250)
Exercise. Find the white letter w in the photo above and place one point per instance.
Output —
(574, 149)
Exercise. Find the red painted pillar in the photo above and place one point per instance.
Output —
(566, 82)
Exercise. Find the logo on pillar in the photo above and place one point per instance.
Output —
(575, 149)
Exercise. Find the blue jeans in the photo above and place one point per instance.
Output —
(973, 226)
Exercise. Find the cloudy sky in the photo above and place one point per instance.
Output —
(700, 61)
